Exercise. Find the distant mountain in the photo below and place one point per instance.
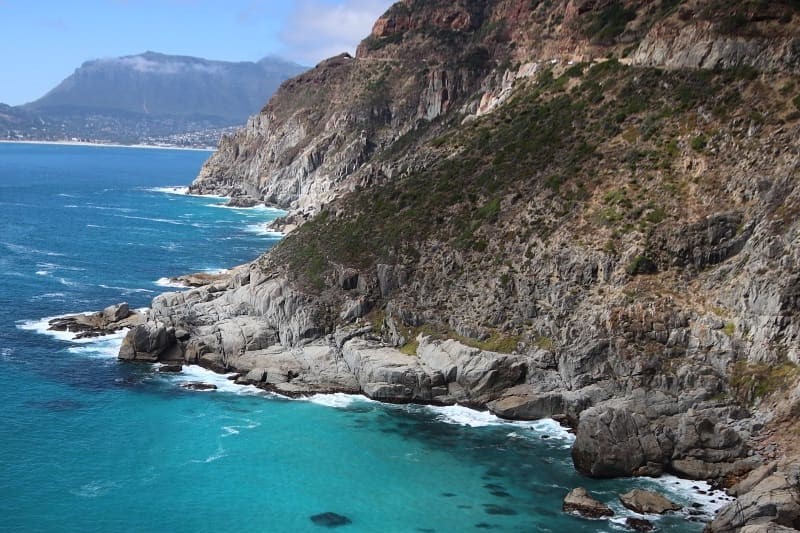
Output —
(133, 98)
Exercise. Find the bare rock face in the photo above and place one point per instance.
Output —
(772, 503)
(646, 502)
(615, 442)
(147, 342)
(579, 501)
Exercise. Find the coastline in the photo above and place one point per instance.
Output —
(700, 498)
(109, 145)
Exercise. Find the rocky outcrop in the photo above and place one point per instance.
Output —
(647, 502)
(579, 501)
(106, 322)
(771, 504)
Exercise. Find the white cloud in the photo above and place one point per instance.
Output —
(142, 64)
(318, 29)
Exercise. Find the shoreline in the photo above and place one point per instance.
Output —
(703, 492)
(109, 145)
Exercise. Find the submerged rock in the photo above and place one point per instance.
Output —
(330, 520)
(579, 501)
(647, 502)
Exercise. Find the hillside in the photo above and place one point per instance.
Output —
(584, 210)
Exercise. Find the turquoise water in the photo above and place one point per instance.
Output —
(88, 444)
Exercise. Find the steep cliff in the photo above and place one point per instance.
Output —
(582, 209)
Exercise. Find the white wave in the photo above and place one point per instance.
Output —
(170, 283)
(221, 381)
(20, 249)
(260, 208)
(125, 290)
(96, 226)
(102, 348)
(106, 208)
(48, 296)
(264, 231)
(67, 282)
(64, 195)
(43, 272)
(683, 491)
(337, 400)
(219, 454)
(94, 489)
(148, 219)
(184, 191)
(235, 429)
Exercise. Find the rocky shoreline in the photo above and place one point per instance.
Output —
(263, 330)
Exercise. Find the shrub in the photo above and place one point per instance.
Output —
(641, 265)
(699, 143)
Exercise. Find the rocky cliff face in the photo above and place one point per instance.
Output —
(544, 208)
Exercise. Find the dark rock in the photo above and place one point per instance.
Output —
(330, 520)
(197, 385)
(170, 369)
(647, 502)
(579, 501)
(639, 524)
(242, 201)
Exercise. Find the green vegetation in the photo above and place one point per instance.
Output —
(641, 265)
(729, 329)
(410, 347)
(607, 24)
(796, 101)
(544, 343)
(541, 142)
(699, 143)
(752, 381)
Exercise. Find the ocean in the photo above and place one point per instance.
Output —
(89, 444)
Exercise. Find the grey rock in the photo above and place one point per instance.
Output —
(579, 501)
(647, 502)
(146, 342)
(612, 442)
(775, 500)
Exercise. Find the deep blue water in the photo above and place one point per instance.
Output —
(88, 444)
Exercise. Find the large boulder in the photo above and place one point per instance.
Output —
(579, 501)
(613, 442)
(646, 502)
(147, 342)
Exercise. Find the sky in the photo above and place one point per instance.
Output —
(44, 41)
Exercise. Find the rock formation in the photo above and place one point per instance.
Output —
(108, 321)
(579, 501)
(584, 210)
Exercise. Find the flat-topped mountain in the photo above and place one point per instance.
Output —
(160, 85)
(137, 97)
